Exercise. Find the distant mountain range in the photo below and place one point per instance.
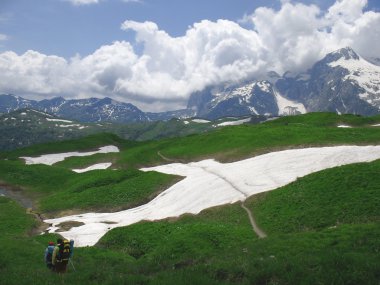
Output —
(342, 82)
(25, 127)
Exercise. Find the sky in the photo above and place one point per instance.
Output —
(155, 53)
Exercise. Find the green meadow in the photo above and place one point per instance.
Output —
(323, 228)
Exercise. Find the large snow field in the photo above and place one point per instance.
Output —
(209, 183)
(50, 159)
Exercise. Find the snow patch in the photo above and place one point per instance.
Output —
(344, 126)
(50, 159)
(42, 113)
(209, 183)
(98, 166)
(234, 123)
(264, 86)
(200, 121)
(288, 107)
(58, 120)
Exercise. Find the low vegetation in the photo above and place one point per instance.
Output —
(322, 229)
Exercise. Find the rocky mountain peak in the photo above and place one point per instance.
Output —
(346, 53)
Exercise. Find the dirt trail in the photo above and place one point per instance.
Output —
(164, 157)
(259, 232)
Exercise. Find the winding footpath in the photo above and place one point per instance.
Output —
(257, 230)
(260, 233)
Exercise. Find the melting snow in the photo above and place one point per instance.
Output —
(377, 125)
(285, 106)
(58, 120)
(209, 183)
(234, 123)
(344, 126)
(50, 159)
(80, 127)
(201, 121)
(42, 113)
(93, 167)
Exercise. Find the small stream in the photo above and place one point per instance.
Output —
(17, 196)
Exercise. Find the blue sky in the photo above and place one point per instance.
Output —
(155, 53)
(61, 28)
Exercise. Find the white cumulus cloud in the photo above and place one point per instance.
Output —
(168, 69)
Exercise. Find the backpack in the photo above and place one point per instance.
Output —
(49, 255)
(64, 251)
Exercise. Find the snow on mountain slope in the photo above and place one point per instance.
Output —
(58, 120)
(244, 92)
(234, 123)
(365, 74)
(288, 107)
(209, 183)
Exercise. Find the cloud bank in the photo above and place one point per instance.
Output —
(169, 69)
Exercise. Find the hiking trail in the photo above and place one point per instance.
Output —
(164, 157)
(259, 232)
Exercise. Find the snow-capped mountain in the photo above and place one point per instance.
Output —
(253, 98)
(83, 110)
(342, 82)
(25, 127)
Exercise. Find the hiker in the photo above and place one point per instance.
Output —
(61, 255)
(49, 255)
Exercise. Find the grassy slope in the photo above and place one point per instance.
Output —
(57, 189)
(61, 190)
(343, 195)
(218, 246)
(234, 143)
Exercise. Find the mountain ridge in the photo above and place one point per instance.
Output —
(341, 82)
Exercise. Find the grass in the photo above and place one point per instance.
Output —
(92, 142)
(344, 195)
(56, 189)
(107, 191)
(322, 229)
(214, 247)
(234, 143)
